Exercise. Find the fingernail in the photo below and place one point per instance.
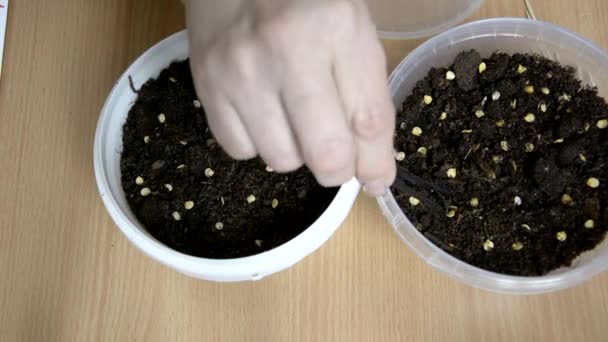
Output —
(375, 188)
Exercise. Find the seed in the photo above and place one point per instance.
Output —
(219, 225)
(466, 131)
(582, 157)
(587, 126)
(183, 142)
(521, 69)
(589, 224)
(400, 156)
(417, 131)
(517, 246)
(543, 107)
(561, 236)
(181, 166)
(250, 199)
(526, 226)
(422, 150)
(488, 245)
(513, 104)
(500, 123)
(549, 75)
(545, 90)
(450, 75)
(222, 200)
(146, 139)
(480, 113)
(176, 216)
(414, 201)
(139, 180)
(593, 182)
(258, 243)
(529, 89)
(169, 187)
(529, 147)
(602, 124)
(504, 145)
(269, 169)
(451, 213)
(517, 201)
(496, 96)
(443, 116)
(565, 97)
(275, 203)
(497, 159)
(161, 118)
(145, 192)
(196, 103)
(559, 141)
(566, 199)
(482, 67)
(451, 173)
(427, 99)
(474, 202)
(209, 172)
(530, 118)
(188, 205)
(172, 79)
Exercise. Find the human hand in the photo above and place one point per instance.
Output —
(296, 81)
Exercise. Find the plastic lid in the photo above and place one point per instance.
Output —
(408, 19)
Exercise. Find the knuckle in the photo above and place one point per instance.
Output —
(371, 124)
(241, 59)
(331, 157)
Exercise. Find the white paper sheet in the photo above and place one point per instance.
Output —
(3, 18)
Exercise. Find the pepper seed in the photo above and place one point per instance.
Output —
(529, 147)
(545, 90)
(521, 69)
(139, 180)
(529, 89)
(250, 199)
(474, 202)
(589, 224)
(414, 201)
(209, 172)
(450, 75)
(258, 243)
(593, 182)
(530, 118)
(504, 145)
(145, 192)
(176, 216)
(495, 96)
(500, 123)
(466, 131)
(451, 213)
(517, 201)
(443, 116)
(146, 139)
(197, 104)
(488, 245)
(517, 246)
(451, 173)
(183, 142)
(422, 150)
(161, 118)
(480, 113)
(427, 99)
(169, 187)
(275, 203)
(172, 79)
(582, 157)
(482, 67)
(417, 131)
(269, 169)
(561, 236)
(602, 124)
(559, 141)
(188, 205)
(566, 199)
(400, 156)
(219, 226)
(543, 107)
(514, 103)
(565, 97)
(181, 166)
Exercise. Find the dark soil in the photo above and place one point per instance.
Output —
(520, 188)
(179, 152)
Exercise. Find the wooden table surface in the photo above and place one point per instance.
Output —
(67, 274)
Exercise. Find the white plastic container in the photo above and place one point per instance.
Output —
(409, 19)
(107, 149)
(487, 36)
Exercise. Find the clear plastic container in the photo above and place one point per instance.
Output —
(409, 19)
(487, 36)
(107, 149)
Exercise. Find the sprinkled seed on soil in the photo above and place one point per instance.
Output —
(488, 245)
(593, 182)
(517, 246)
(169, 187)
(566, 199)
(529, 89)
(589, 224)
(480, 113)
(450, 75)
(565, 97)
(526, 226)
(482, 67)
(500, 123)
(561, 236)
(474, 202)
(517, 201)
(582, 157)
(181, 166)
(602, 124)
(417, 131)
(422, 150)
(521, 69)
(545, 90)
(250, 199)
(209, 172)
(496, 96)
(451, 213)
(269, 169)
(427, 99)
(543, 107)
(161, 118)
(188, 205)
(400, 156)
(275, 203)
(258, 243)
(559, 141)
(172, 79)
(414, 201)
(466, 131)
(196, 103)
(513, 104)
(443, 116)
(504, 145)
(139, 180)
(219, 226)
(451, 173)
(529, 147)
(145, 192)
(183, 142)
(176, 216)
(530, 118)
(146, 139)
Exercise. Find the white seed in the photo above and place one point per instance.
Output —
(417, 131)
(183, 142)
(209, 172)
(543, 107)
(219, 225)
(602, 124)
(269, 169)
(526, 226)
(488, 245)
(480, 113)
(222, 200)
(561, 236)
(504, 145)
(400, 156)
(589, 224)
(545, 90)
(497, 159)
(466, 131)
(593, 182)
(422, 150)
(450, 75)
(566, 199)
(474, 202)
(139, 180)
(500, 123)
(172, 79)
(451, 213)
(482, 67)
(484, 100)
(427, 99)
(443, 116)
(559, 141)
(587, 126)
(169, 187)
(529, 89)
(530, 118)
(495, 96)
(517, 246)
(258, 243)
(181, 166)
(451, 173)
(565, 97)
(197, 104)
(529, 147)
(582, 157)
(188, 205)
(513, 104)
(250, 199)
(275, 203)
(176, 216)
(521, 69)
(161, 118)
(414, 201)
(517, 201)
(145, 192)
(146, 139)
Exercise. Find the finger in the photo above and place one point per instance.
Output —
(360, 73)
(262, 114)
(319, 124)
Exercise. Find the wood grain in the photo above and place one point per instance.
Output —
(69, 275)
